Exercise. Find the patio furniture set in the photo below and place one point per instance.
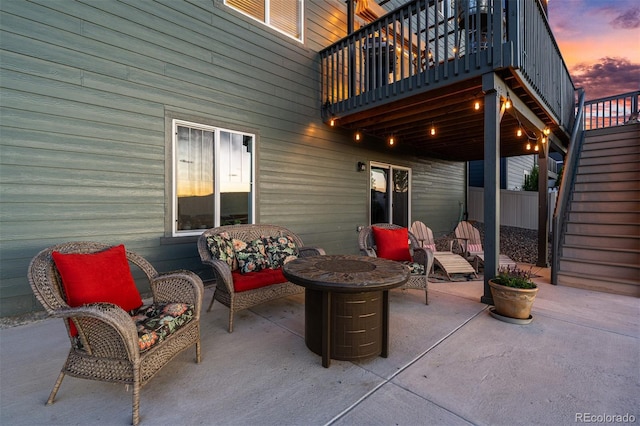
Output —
(114, 337)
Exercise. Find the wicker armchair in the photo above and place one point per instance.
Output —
(420, 255)
(225, 291)
(106, 344)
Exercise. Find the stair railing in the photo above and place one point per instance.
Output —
(568, 177)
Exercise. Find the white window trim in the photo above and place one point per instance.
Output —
(216, 187)
(267, 19)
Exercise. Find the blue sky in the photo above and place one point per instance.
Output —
(600, 43)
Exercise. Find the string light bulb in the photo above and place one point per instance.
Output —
(544, 140)
(535, 148)
(332, 122)
(432, 131)
(357, 136)
(546, 131)
(476, 105)
(392, 140)
(507, 102)
(528, 146)
(519, 132)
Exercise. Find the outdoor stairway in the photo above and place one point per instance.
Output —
(601, 249)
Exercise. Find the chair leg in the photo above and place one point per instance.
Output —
(136, 397)
(230, 320)
(56, 386)
(213, 298)
(198, 350)
(426, 296)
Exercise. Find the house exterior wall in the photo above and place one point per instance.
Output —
(87, 92)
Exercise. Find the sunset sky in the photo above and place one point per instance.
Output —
(600, 43)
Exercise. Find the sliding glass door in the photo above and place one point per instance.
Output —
(390, 194)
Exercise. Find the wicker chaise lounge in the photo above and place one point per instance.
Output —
(421, 257)
(268, 284)
(108, 343)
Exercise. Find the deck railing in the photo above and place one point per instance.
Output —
(611, 111)
(431, 43)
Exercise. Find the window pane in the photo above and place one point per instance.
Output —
(285, 15)
(401, 197)
(235, 177)
(379, 200)
(194, 178)
(255, 8)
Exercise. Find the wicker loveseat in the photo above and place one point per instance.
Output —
(421, 259)
(232, 250)
(109, 343)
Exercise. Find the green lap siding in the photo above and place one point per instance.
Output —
(86, 89)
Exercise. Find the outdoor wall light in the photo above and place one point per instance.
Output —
(362, 167)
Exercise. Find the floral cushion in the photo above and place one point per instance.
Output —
(251, 257)
(156, 322)
(415, 268)
(280, 250)
(221, 247)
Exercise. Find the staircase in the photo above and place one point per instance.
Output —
(601, 249)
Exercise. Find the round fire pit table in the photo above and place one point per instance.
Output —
(346, 303)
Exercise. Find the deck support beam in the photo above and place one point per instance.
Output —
(494, 89)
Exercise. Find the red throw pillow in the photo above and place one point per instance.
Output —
(392, 244)
(98, 277)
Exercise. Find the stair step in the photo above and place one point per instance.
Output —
(607, 168)
(600, 228)
(601, 254)
(624, 271)
(612, 195)
(606, 153)
(625, 242)
(604, 206)
(609, 217)
(598, 283)
(633, 176)
(610, 185)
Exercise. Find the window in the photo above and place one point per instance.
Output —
(285, 16)
(213, 177)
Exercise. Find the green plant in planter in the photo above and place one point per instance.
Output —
(514, 277)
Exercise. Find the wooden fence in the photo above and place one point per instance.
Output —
(517, 208)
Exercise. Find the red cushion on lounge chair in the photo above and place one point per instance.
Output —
(392, 244)
(97, 277)
(253, 280)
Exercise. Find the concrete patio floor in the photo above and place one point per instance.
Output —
(450, 363)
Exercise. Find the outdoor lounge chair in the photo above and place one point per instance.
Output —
(109, 343)
(448, 261)
(422, 259)
(470, 244)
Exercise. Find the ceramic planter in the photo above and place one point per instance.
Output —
(513, 302)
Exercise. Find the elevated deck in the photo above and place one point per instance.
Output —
(425, 66)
